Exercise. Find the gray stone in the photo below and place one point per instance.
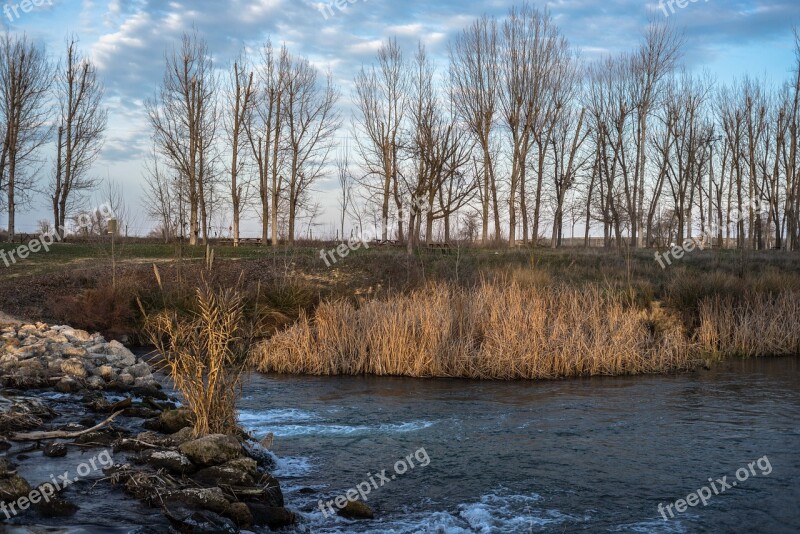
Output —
(76, 335)
(215, 449)
(95, 382)
(68, 385)
(126, 379)
(139, 370)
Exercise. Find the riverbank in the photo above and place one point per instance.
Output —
(472, 313)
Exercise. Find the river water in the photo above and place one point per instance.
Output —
(593, 455)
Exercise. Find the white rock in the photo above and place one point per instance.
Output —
(139, 370)
(76, 335)
(125, 357)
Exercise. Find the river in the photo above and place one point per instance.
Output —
(593, 455)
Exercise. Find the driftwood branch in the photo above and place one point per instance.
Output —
(61, 434)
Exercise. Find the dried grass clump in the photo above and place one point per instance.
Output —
(493, 331)
(757, 325)
(205, 355)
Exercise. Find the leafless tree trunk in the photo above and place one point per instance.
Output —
(381, 95)
(183, 118)
(25, 79)
(82, 124)
(474, 75)
(311, 122)
(240, 99)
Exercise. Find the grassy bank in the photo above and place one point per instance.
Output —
(469, 312)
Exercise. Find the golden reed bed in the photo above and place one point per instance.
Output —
(493, 331)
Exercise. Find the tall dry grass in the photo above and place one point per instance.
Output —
(206, 355)
(493, 331)
(753, 325)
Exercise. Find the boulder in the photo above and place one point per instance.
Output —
(182, 436)
(95, 382)
(123, 356)
(125, 379)
(71, 351)
(68, 385)
(273, 517)
(74, 367)
(215, 449)
(356, 510)
(243, 464)
(171, 421)
(76, 335)
(238, 472)
(13, 487)
(204, 498)
(172, 461)
(55, 507)
(185, 519)
(106, 372)
(54, 450)
(273, 495)
(240, 514)
(139, 370)
(146, 383)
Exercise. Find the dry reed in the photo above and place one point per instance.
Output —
(206, 355)
(493, 331)
(756, 325)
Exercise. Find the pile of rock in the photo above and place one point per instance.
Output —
(220, 481)
(70, 360)
(216, 483)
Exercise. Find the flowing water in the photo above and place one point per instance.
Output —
(594, 455)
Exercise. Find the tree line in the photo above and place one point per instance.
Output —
(515, 139)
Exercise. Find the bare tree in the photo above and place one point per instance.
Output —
(474, 75)
(311, 122)
(81, 127)
(381, 96)
(162, 198)
(239, 102)
(266, 135)
(532, 54)
(25, 80)
(345, 181)
(183, 118)
(656, 58)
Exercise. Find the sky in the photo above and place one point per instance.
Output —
(127, 40)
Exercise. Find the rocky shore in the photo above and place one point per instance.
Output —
(67, 393)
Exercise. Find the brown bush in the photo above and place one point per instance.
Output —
(205, 355)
